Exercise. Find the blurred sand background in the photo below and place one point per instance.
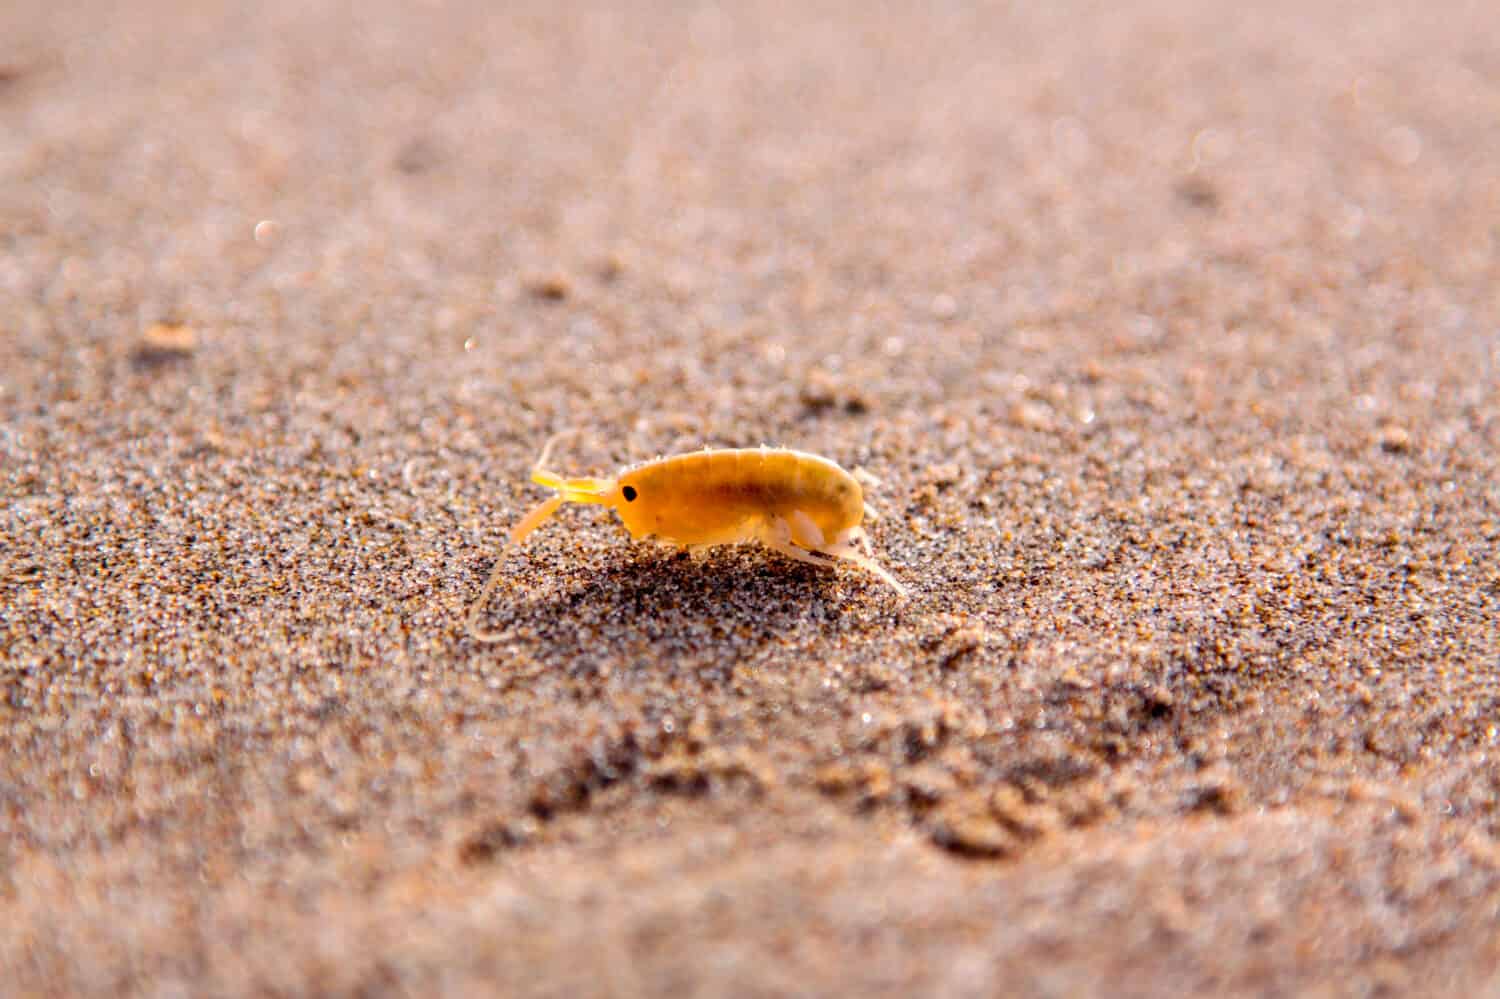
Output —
(1170, 328)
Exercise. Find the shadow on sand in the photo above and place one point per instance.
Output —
(661, 610)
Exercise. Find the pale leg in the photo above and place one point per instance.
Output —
(778, 537)
(844, 547)
(805, 531)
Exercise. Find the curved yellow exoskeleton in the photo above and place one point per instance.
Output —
(799, 504)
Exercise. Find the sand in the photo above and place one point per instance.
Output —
(1171, 331)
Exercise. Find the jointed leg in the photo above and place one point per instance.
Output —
(778, 537)
(805, 531)
(849, 539)
(846, 547)
(872, 566)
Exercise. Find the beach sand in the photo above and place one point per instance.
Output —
(1171, 332)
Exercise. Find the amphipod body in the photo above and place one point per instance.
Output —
(799, 504)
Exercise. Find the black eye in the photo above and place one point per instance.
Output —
(629, 493)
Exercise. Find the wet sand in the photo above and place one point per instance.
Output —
(1172, 336)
